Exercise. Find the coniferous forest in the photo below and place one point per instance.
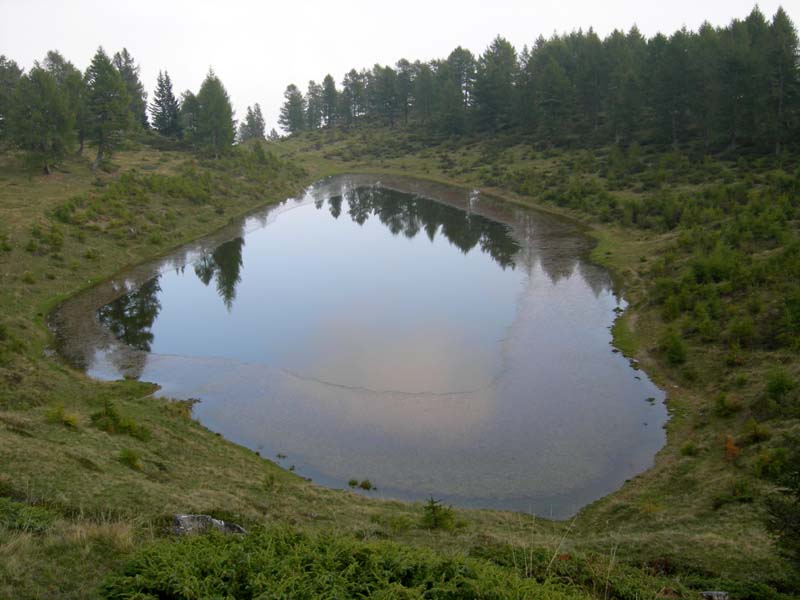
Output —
(679, 154)
(721, 88)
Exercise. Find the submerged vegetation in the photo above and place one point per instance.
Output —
(680, 153)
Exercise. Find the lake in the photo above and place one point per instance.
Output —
(430, 339)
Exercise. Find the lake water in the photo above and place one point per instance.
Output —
(429, 339)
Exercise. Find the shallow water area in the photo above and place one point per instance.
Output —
(430, 339)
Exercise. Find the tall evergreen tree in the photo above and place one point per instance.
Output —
(214, 130)
(494, 85)
(40, 119)
(330, 101)
(9, 76)
(189, 117)
(107, 105)
(314, 105)
(253, 126)
(784, 75)
(293, 112)
(165, 108)
(72, 87)
(137, 96)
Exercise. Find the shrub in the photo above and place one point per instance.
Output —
(57, 415)
(779, 384)
(725, 405)
(690, 449)
(289, 564)
(435, 515)
(110, 421)
(732, 451)
(130, 459)
(738, 492)
(366, 484)
(352, 483)
(674, 349)
(23, 517)
(755, 432)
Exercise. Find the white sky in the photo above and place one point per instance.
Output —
(257, 48)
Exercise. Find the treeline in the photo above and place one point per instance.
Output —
(54, 109)
(724, 87)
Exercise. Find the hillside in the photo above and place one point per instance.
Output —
(103, 465)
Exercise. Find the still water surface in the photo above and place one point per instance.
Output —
(429, 339)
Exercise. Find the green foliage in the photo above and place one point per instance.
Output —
(779, 384)
(165, 108)
(292, 117)
(58, 415)
(436, 515)
(23, 517)
(253, 126)
(40, 121)
(783, 506)
(673, 348)
(137, 97)
(211, 129)
(689, 449)
(111, 421)
(130, 459)
(738, 492)
(287, 564)
(107, 103)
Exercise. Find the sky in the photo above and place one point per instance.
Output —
(257, 48)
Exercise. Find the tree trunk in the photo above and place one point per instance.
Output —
(99, 158)
(46, 169)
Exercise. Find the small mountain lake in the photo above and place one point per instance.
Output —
(432, 340)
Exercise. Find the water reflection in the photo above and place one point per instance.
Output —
(457, 348)
(225, 265)
(130, 318)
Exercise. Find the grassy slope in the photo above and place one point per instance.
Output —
(106, 509)
(666, 516)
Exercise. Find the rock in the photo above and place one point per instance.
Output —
(191, 524)
(714, 595)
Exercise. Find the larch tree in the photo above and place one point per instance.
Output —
(314, 103)
(107, 105)
(784, 53)
(72, 87)
(40, 119)
(9, 76)
(330, 101)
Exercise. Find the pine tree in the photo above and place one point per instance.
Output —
(129, 71)
(215, 130)
(189, 115)
(107, 106)
(165, 108)
(293, 112)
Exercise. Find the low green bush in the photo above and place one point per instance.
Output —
(288, 564)
(23, 517)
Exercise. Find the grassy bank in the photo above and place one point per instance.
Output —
(90, 471)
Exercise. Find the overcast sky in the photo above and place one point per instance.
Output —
(257, 48)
